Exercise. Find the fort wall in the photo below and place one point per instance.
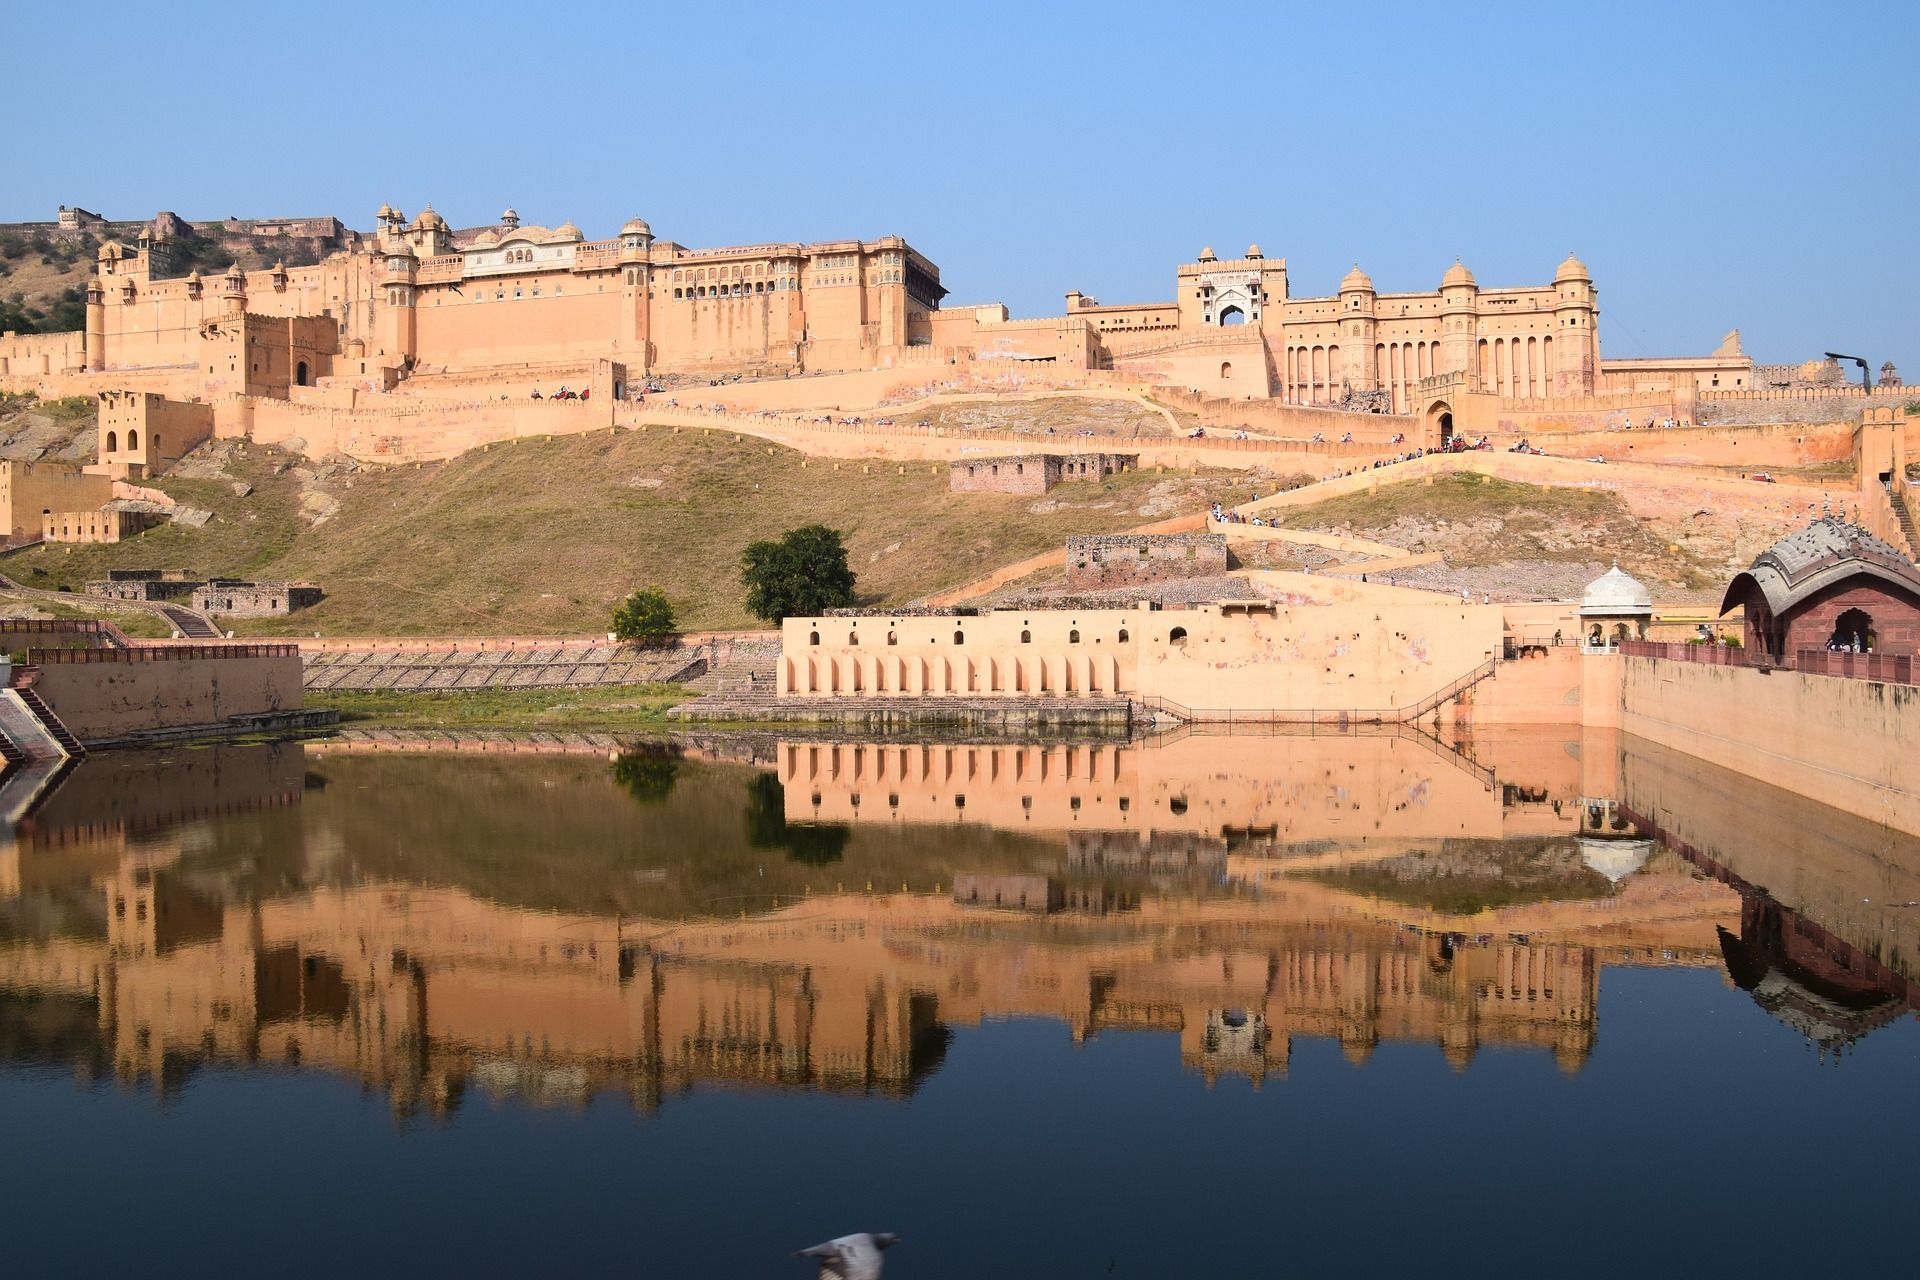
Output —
(1823, 737)
(31, 490)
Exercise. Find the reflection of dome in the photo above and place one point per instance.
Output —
(1457, 274)
(1572, 269)
(1356, 279)
(1615, 859)
(1614, 594)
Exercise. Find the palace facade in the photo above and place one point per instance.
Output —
(419, 295)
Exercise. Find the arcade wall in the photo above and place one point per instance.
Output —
(1349, 648)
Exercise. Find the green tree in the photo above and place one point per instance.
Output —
(645, 617)
(815, 843)
(649, 771)
(804, 573)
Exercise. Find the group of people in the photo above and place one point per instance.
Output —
(586, 393)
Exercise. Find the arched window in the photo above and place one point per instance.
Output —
(300, 374)
(1026, 637)
(1123, 635)
(959, 637)
(133, 440)
(892, 638)
(853, 637)
(1226, 368)
(813, 637)
(1853, 630)
(1177, 636)
(156, 444)
(1073, 637)
(113, 442)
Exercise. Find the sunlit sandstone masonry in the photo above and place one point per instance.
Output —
(419, 340)
(421, 295)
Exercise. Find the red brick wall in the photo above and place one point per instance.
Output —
(1896, 619)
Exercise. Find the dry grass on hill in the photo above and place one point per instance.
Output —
(55, 430)
(1023, 423)
(1491, 525)
(544, 537)
(140, 623)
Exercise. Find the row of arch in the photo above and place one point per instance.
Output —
(1041, 675)
(744, 289)
(1177, 635)
(1519, 367)
(133, 441)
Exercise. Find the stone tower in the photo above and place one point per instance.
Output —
(1356, 332)
(1458, 293)
(397, 316)
(636, 243)
(1576, 355)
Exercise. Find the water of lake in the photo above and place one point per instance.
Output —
(1206, 1006)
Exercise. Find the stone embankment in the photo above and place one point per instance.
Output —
(558, 666)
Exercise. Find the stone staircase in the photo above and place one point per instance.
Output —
(1904, 515)
(190, 624)
(758, 677)
(556, 666)
(51, 723)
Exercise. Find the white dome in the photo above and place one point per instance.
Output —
(1615, 859)
(1613, 592)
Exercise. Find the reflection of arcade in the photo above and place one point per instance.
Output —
(424, 992)
(1255, 792)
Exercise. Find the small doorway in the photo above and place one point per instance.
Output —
(300, 374)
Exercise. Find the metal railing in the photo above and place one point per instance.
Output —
(1885, 667)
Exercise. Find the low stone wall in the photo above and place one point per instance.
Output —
(1842, 742)
(1099, 562)
(103, 694)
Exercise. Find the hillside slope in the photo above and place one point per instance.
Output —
(543, 537)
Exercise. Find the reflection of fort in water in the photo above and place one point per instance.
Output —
(1204, 889)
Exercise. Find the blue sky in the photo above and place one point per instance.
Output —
(1716, 165)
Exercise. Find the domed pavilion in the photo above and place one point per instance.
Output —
(1615, 607)
(1831, 585)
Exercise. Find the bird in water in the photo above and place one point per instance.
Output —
(855, 1257)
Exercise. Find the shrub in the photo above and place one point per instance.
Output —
(645, 617)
